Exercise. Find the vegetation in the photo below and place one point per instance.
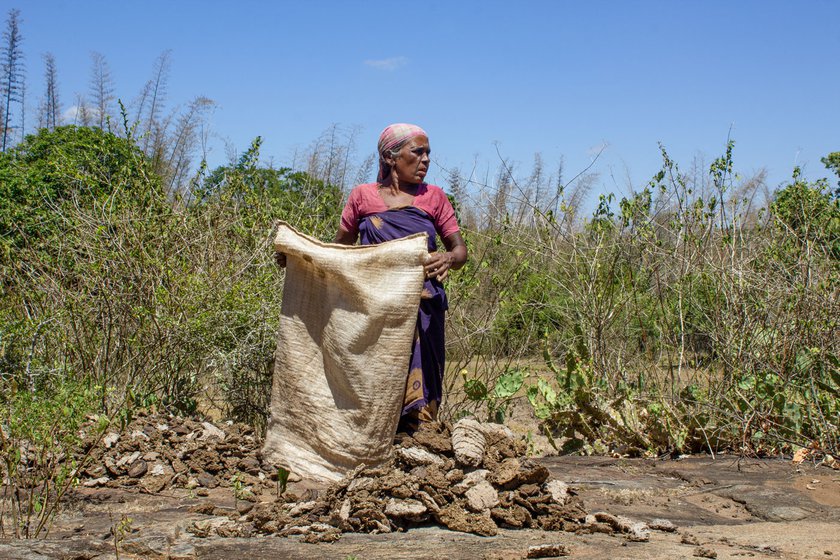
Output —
(11, 79)
(39, 441)
(687, 316)
(140, 298)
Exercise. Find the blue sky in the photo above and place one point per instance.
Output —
(559, 78)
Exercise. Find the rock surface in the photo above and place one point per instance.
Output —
(644, 508)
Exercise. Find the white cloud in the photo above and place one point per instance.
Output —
(70, 114)
(388, 64)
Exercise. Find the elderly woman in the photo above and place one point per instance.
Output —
(397, 205)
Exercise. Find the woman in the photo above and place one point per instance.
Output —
(397, 205)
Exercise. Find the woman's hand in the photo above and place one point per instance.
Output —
(438, 265)
(280, 259)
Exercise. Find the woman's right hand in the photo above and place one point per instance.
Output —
(280, 259)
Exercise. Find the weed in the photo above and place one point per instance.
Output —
(282, 480)
(43, 447)
(120, 530)
(498, 399)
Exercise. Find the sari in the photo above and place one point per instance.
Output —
(424, 385)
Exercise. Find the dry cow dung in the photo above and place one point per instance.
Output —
(155, 452)
(471, 477)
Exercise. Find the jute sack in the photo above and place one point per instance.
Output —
(346, 331)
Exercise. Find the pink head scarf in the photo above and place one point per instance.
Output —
(392, 138)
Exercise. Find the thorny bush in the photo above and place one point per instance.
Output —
(690, 316)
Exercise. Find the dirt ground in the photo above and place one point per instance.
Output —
(722, 508)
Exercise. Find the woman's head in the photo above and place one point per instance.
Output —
(403, 148)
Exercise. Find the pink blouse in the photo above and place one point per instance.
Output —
(364, 200)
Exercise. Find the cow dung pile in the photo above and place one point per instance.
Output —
(157, 452)
(474, 478)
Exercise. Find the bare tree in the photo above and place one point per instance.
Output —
(150, 106)
(365, 170)
(330, 156)
(456, 184)
(11, 81)
(101, 88)
(83, 115)
(499, 211)
(22, 109)
(558, 193)
(581, 187)
(49, 113)
(531, 195)
(535, 182)
(184, 141)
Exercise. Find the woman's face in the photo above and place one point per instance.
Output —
(412, 163)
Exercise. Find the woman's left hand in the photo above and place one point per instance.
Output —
(438, 265)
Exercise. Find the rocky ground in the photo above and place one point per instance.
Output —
(177, 488)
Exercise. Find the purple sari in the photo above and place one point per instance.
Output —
(424, 386)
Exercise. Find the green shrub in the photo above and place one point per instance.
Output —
(40, 441)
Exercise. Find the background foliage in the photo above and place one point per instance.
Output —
(687, 316)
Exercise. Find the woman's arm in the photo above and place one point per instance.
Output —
(345, 237)
(439, 264)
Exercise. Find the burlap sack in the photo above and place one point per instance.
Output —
(346, 330)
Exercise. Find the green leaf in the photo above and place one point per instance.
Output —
(542, 410)
(549, 361)
(475, 389)
(282, 479)
(509, 383)
(548, 393)
(499, 416)
(828, 388)
(746, 383)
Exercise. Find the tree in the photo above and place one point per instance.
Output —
(83, 115)
(101, 88)
(458, 197)
(49, 113)
(261, 194)
(69, 166)
(11, 81)
(22, 109)
(456, 184)
(150, 108)
(183, 143)
(809, 213)
(832, 162)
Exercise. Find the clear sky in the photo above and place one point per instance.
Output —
(556, 77)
